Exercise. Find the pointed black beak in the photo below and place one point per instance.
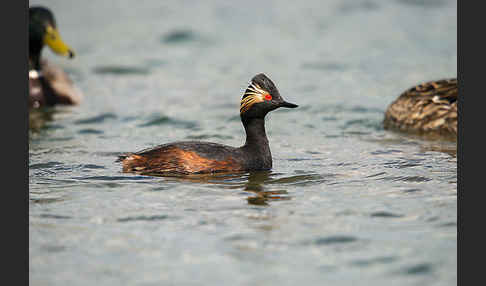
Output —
(287, 104)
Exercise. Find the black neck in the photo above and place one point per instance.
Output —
(256, 144)
(255, 132)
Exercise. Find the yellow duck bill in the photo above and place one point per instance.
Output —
(53, 39)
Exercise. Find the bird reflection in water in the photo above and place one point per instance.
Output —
(38, 118)
(255, 185)
(252, 183)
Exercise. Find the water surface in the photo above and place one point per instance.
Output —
(346, 202)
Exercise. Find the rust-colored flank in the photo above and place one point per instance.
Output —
(177, 161)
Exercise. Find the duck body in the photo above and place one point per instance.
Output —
(48, 84)
(51, 86)
(194, 157)
(429, 108)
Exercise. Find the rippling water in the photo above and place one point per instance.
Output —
(346, 202)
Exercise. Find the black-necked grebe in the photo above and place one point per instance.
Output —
(428, 108)
(193, 157)
(48, 85)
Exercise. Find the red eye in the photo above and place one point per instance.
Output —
(268, 96)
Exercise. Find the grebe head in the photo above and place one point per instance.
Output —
(261, 97)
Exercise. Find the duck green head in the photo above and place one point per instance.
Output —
(43, 31)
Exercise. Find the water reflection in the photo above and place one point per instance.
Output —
(450, 149)
(424, 142)
(252, 182)
(255, 185)
(38, 118)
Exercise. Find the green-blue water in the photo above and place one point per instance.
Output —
(346, 203)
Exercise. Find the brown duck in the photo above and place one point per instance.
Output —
(429, 108)
(48, 84)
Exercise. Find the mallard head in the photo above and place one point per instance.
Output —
(43, 31)
(261, 97)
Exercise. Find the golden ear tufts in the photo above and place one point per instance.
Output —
(254, 94)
